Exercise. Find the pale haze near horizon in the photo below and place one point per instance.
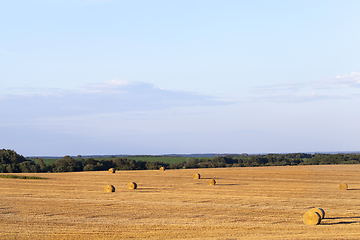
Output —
(162, 77)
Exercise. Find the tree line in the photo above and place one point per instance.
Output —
(12, 162)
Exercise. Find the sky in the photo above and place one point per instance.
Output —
(155, 77)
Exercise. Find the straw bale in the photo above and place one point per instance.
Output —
(211, 182)
(131, 185)
(196, 176)
(311, 218)
(162, 169)
(111, 170)
(320, 211)
(109, 188)
(343, 186)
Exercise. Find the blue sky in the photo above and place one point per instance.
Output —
(159, 77)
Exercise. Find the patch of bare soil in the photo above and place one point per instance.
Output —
(246, 203)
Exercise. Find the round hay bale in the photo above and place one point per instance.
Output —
(343, 186)
(131, 185)
(162, 169)
(196, 176)
(109, 188)
(211, 182)
(311, 218)
(111, 170)
(320, 211)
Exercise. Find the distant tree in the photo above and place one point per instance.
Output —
(42, 165)
(89, 167)
(191, 163)
(28, 167)
(10, 157)
(155, 165)
(68, 164)
(90, 161)
(10, 160)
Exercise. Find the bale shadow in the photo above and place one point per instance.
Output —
(353, 189)
(343, 218)
(151, 189)
(147, 191)
(341, 222)
(227, 184)
(337, 223)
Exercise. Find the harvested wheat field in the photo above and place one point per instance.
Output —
(246, 203)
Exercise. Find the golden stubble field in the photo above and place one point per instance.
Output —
(246, 203)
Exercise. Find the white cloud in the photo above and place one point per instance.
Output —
(283, 87)
(115, 96)
(339, 87)
(112, 84)
(312, 94)
(348, 81)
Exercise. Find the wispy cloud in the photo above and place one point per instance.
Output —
(283, 87)
(339, 87)
(115, 96)
(348, 81)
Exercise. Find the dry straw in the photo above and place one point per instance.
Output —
(320, 211)
(196, 176)
(111, 170)
(311, 218)
(131, 185)
(162, 169)
(211, 182)
(343, 186)
(109, 188)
